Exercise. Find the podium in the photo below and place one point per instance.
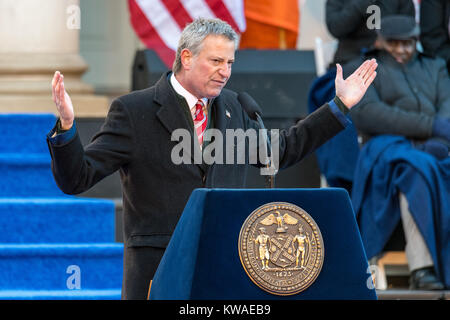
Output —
(202, 259)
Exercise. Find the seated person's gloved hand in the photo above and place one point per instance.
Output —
(441, 128)
(435, 147)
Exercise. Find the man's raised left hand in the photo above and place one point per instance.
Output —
(352, 89)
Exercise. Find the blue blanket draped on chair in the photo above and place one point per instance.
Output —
(389, 164)
(337, 157)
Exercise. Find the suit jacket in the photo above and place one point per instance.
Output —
(136, 140)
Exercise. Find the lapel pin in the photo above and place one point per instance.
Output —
(227, 113)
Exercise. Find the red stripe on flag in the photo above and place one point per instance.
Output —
(221, 12)
(148, 35)
(178, 12)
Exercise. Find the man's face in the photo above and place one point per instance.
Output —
(208, 72)
(401, 50)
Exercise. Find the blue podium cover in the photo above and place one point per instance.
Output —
(202, 258)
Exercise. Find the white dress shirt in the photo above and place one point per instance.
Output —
(190, 98)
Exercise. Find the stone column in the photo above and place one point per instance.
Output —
(36, 39)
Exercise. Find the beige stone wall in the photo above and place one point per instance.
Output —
(37, 38)
(312, 24)
(108, 43)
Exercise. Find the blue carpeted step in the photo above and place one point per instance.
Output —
(25, 133)
(52, 246)
(27, 175)
(30, 267)
(63, 220)
(75, 294)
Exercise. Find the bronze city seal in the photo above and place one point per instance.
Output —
(281, 248)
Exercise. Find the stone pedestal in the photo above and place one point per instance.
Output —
(37, 38)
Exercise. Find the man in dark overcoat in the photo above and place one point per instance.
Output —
(137, 139)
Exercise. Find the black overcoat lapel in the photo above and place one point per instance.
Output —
(172, 116)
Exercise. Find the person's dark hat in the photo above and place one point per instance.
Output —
(398, 27)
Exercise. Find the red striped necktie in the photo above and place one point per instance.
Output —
(200, 121)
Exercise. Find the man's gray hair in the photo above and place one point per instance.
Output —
(194, 33)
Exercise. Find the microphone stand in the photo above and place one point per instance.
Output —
(270, 179)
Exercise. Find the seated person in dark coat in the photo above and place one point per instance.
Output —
(410, 98)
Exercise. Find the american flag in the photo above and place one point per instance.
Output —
(158, 23)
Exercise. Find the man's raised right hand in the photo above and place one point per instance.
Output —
(63, 102)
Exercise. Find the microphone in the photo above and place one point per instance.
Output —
(250, 105)
(254, 112)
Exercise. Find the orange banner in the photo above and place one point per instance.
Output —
(271, 24)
